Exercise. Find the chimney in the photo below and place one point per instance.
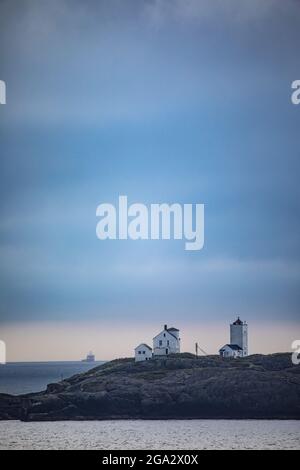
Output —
(166, 327)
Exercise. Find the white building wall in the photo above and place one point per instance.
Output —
(228, 352)
(239, 336)
(165, 343)
(142, 353)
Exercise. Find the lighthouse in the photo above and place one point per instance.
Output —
(238, 346)
(239, 335)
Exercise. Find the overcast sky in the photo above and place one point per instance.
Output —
(184, 101)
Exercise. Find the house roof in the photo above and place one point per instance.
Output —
(168, 330)
(234, 347)
(238, 321)
(145, 346)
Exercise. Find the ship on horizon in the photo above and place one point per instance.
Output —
(89, 358)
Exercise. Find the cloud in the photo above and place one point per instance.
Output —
(183, 101)
(203, 11)
(100, 64)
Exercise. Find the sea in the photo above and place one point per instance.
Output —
(19, 378)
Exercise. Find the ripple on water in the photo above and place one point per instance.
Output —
(135, 434)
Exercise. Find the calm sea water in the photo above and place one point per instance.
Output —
(171, 435)
(26, 377)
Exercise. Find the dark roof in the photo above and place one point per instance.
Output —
(238, 321)
(144, 344)
(234, 347)
(172, 334)
(169, 330)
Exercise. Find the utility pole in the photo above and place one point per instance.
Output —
(197, 349)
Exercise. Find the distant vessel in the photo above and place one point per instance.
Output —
(89, 358)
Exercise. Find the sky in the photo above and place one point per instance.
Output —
(185, 101)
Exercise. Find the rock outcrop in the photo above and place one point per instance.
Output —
(177, 387)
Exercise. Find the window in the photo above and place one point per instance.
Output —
(168, 343)
(160, 342)
(140, 352)
(164, 335)
(144, 352)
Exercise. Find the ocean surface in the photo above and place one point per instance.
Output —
(25, 377)
(148, 435)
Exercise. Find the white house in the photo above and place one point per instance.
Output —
(166, 342)
(143, 352)
(231, 350)
(238, 346)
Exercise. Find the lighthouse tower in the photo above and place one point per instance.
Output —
(239, 335)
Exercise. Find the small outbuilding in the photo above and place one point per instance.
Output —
(231, 350)
(143, 352)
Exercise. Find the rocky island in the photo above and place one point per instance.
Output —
(180, 386)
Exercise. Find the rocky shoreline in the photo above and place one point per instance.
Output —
(180, 386)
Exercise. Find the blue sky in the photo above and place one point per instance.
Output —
(164, 101)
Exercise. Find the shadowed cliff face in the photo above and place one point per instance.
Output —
(180, 386)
